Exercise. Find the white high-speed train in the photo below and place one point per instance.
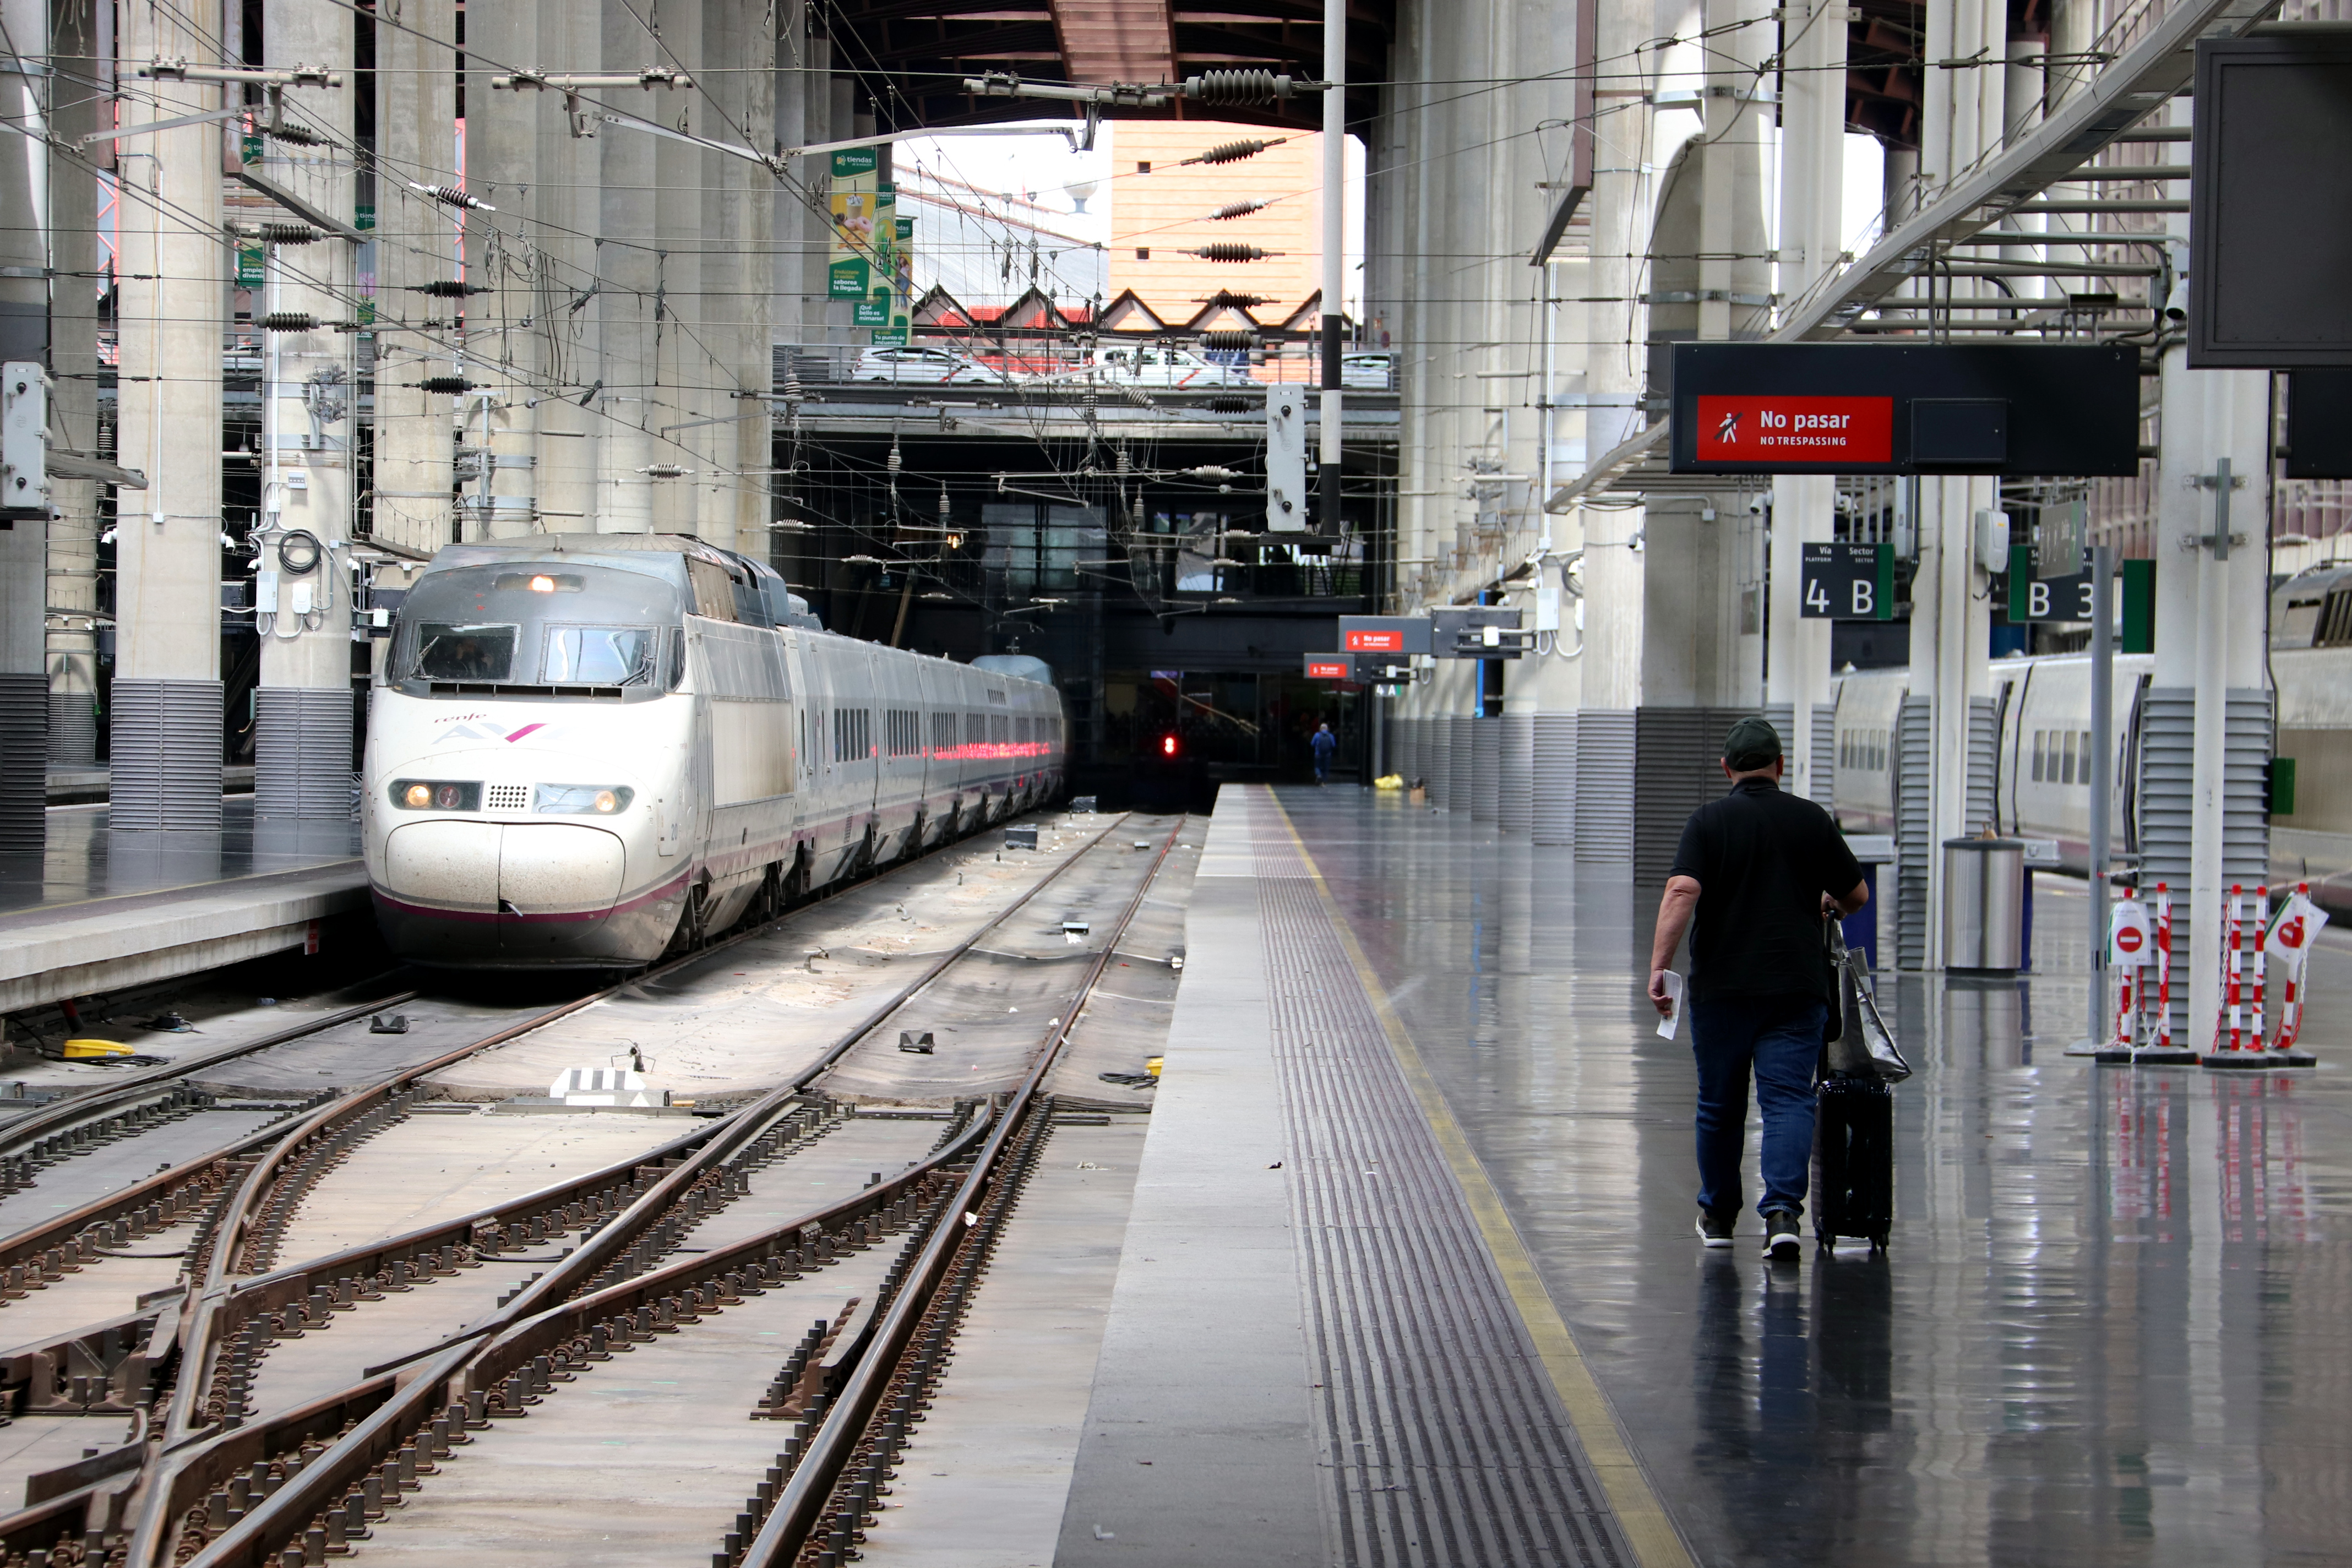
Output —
(2043, 771)
(587, 749)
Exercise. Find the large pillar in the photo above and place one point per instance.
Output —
(302, 710)
(570, 39)
(23, 340)
(415, 245)
(504, 262)
(626, 277)
(1951, 612)
(76, 102)
(754, 329)
(719, 321)
(1813, 164)
(171, 303)
(682, 173)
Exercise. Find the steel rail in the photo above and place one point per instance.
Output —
(807, 1493)
(63, 1113)
(253, 1538)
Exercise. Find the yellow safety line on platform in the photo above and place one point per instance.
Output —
(1650, 1531)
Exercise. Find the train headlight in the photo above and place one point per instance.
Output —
(435, 795)
(583, 800)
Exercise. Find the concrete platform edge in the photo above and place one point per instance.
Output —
(84, 953)
(1200, 1442)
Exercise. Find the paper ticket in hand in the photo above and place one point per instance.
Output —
(1671, 1025)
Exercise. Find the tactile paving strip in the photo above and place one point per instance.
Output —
(1446, 1443)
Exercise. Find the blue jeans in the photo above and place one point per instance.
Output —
(1779, 1039)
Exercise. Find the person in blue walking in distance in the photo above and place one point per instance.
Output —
(1324, 743)
(1757, 873)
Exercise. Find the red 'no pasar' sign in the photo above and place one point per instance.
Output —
(1737, 427)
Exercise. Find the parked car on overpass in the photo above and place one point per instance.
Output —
(922, 365)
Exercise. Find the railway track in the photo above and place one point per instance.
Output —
(681, 1270)
(190, 1367)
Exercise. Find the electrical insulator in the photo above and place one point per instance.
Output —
(1237, 209)
(288, 234)
(946, 506)
(1226, 299)
(1230, 250)
(449, 196)
(288, 322)
(1211, 473)
(448, 288)
(1230, 151)
(892, 462)
(449, 385)
(1225, 339)
(1235, 87)
(293, 135)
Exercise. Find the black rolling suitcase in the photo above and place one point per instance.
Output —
(1854, 1160)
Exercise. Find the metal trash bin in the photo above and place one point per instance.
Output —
(1984, 906)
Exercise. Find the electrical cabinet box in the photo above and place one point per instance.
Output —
(1286, 458)
(23, 441)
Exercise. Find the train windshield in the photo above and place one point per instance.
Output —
(449, 650)
(599, 656)
(579, 627)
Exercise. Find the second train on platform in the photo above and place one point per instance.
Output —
(591, 750)
(2038, 719)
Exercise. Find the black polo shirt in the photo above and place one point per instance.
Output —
(1762, 859)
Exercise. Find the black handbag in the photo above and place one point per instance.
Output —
(1857, 1042)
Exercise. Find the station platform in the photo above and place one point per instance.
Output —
(102, 910)
(1411, 1275)
(85, 787)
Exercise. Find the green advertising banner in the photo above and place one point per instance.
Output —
(906, 233)
(871, 313)
(888, 337)
(250, 270)
(854, 205)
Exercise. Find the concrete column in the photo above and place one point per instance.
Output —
(504, 260)
(302, 712)
(565, 203)
(24, 339)
(755, 329)
(1812, 165)
(75, 103)
(1951, 614)
(171, 304)
(718, 321)
(1616, 376)
(789, 208)
(680, 364)
(2209, 642)
(626, 280)
(416, 245)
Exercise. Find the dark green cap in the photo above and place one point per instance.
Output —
(1752, 744)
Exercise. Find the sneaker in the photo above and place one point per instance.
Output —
(1781, 1241)
(1715, 1230)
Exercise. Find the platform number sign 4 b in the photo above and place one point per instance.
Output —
(1848, 582)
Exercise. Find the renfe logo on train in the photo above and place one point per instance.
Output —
(1826, 430)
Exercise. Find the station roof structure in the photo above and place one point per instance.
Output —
(914, 55)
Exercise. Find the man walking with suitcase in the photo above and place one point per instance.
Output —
(1757, 872)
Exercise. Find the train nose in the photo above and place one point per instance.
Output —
(534, 888)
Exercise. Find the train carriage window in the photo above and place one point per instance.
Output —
(2066, 758)
(598, 656)
(2041, 738)
(464, 651)
(2085, 776)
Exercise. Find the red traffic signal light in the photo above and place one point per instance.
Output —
(1168, 745)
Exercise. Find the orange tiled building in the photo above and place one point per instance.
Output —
(1157, 216)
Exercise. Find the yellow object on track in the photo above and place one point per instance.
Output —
(82, 1050)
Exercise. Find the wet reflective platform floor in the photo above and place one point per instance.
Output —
(2115, 1323)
